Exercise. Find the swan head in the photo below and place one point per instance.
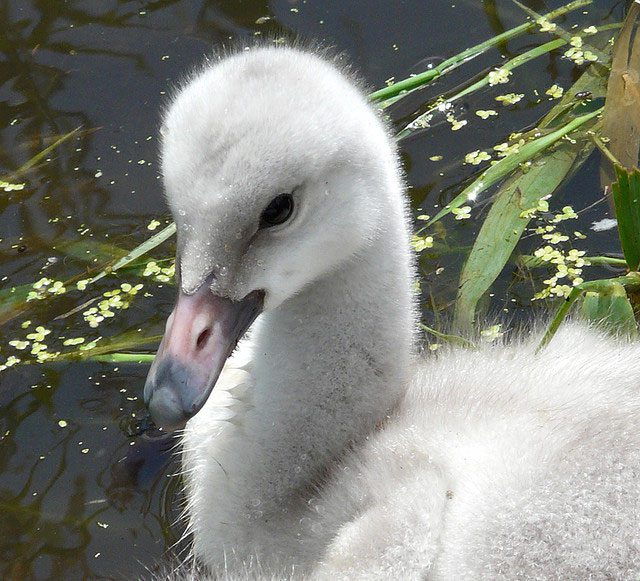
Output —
(276, 171)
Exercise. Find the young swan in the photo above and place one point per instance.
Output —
(325, 447)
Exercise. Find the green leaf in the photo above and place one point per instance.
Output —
(13, 302)
(453, 339)
(560, 32)
(610, 309)
(529, 261)
(141, 358)
(105, 349)
(404, 87)
(506, 165)
(101, 253)
(503, 227)
(505, 223)
(483, 82)
(626, 198)
(631, 280)
(44, 153)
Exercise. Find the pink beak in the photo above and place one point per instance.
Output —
(201, 333)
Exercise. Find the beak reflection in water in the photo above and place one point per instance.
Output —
(201, 333)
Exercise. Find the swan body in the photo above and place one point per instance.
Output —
(325, 447)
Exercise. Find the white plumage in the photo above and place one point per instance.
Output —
(328, 449)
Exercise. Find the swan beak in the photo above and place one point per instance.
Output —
(201, 333)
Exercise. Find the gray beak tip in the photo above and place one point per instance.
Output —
(167, 396)
(165, 407)
(192, 354)
(166, 411)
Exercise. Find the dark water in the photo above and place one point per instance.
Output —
(94, 498)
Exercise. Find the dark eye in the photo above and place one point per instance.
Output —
(278, 211)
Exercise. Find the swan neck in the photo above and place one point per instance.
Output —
(329, 366)
(334, 360)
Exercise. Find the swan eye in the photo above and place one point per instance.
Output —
(278, 211)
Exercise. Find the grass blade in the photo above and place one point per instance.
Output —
(403, 87)
(13, 302)
(558, 31)
(99, 350)
(138, 251)
(453, 339)
(93, 253)
(626, 198)
(503, 227)
(141, 358)
(423, 120)
(45, 152)
(506, 165)
(529, 261)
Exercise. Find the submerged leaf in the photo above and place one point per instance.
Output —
(13, 301)
(90, 250)
(97, 349)
(97, 254)
(503, 227)
(510, 212)
(45, 152)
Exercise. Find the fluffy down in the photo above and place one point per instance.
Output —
(328, 449)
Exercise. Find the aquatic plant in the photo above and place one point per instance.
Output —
(516, 179)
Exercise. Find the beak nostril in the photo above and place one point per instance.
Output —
(203, 338)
